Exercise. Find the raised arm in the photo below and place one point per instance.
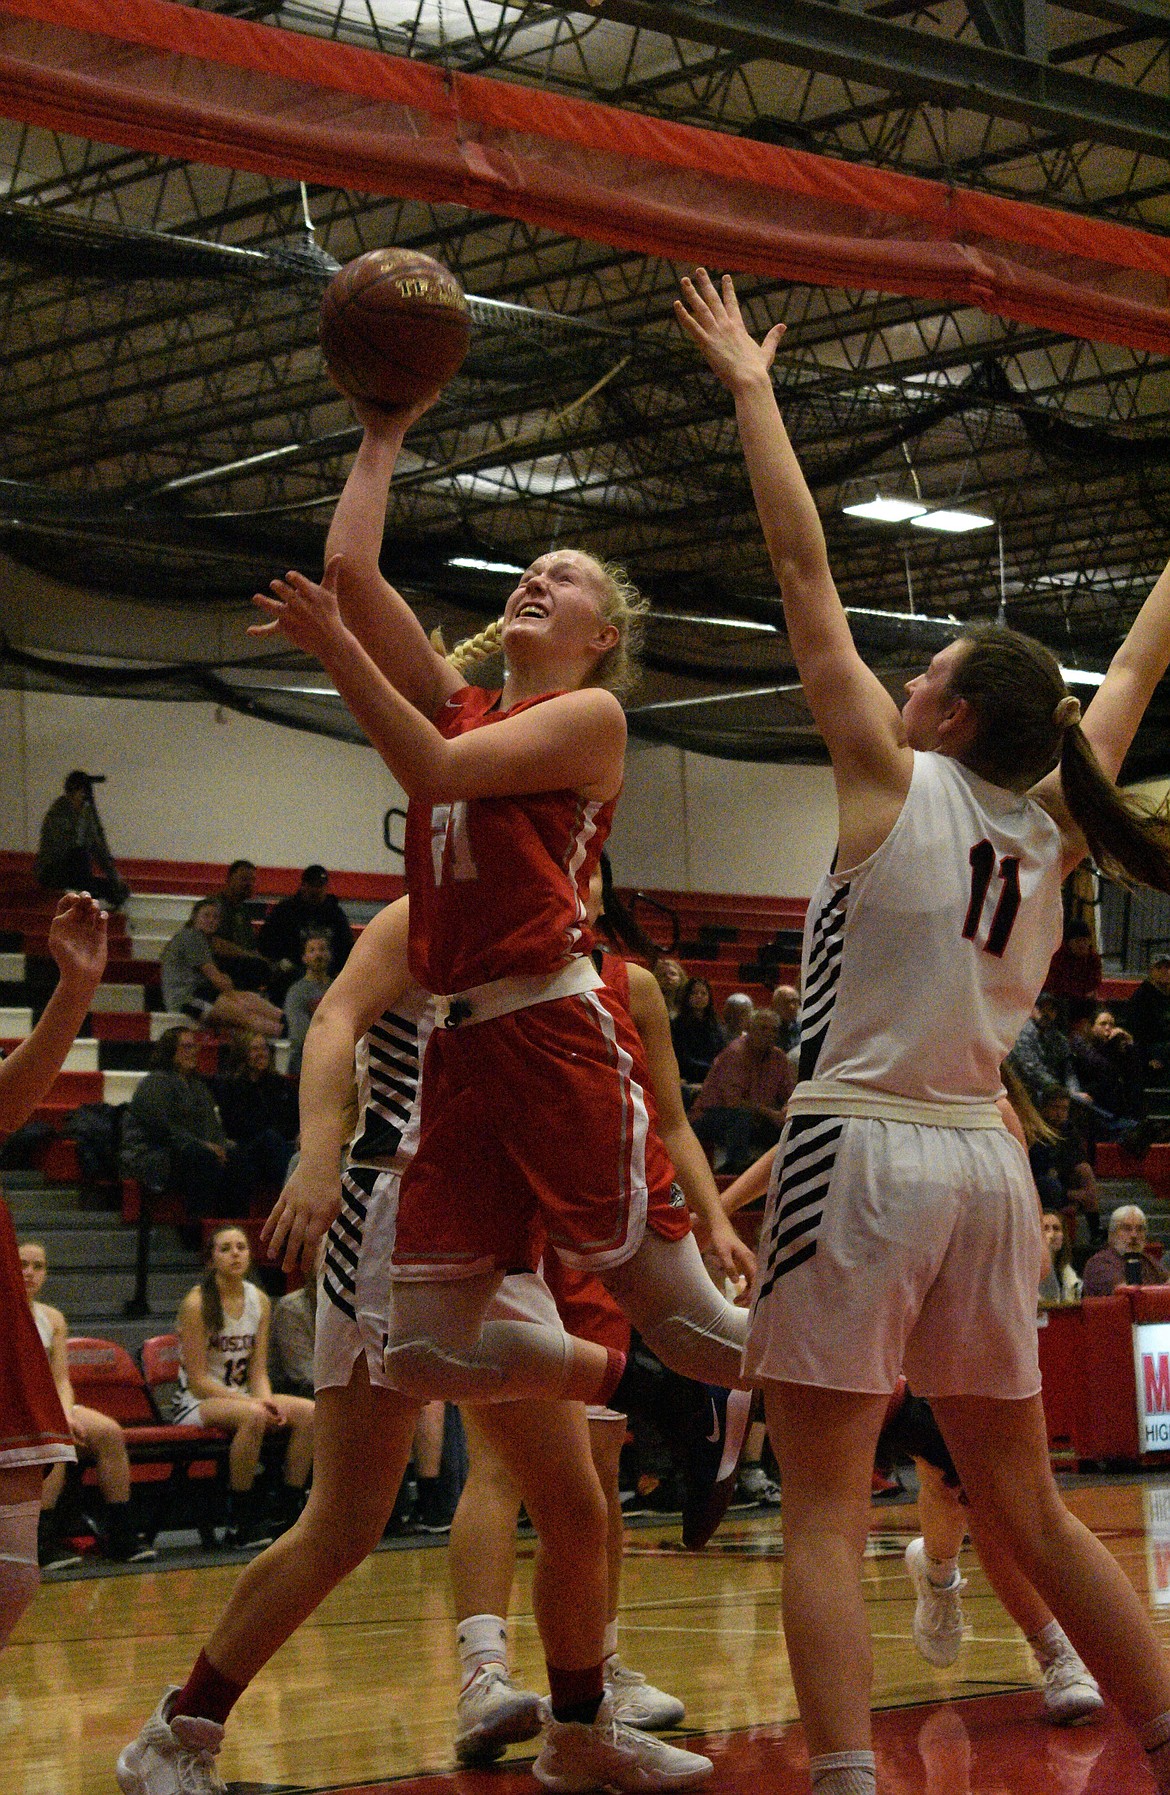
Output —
(379, 616)
(856, 716)
(372, 980)
(575, 741)
(77, 941)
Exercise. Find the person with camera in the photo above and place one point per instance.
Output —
(1125, 1259)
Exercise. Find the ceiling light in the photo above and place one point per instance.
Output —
(953, 522)
(1081, 676)
(886, 511)
(479, 566)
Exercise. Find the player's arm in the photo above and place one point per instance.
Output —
(259, 1386)
(77, 941)
(379, 616)
(749, 1185)
(59, 1362)
(856, 716)
(372, 980)
(572, 742)
(715, 1233)
(192, 1332)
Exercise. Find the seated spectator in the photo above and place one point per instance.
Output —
(223, 1382)
(696, 1033)
(740, 1108)
(1042, 1055)
(1075, 972)
(1059, 1283)
(1125, 1259)
(1109, 1072)
(312, 910)
(258, 1109)
(671, 978)
(294, 1330)
(173, 1137)
(301, 999)
(193, 985)
(1060, 1165)
(786, 1003)
(73, 854)
(1148, 1015)
(93, 1432)
(234, 941)
(737, 1013)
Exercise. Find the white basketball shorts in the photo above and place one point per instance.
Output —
(893, 1246)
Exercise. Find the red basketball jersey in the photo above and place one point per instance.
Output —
(498, 885)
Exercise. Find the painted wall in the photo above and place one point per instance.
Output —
(190, 782)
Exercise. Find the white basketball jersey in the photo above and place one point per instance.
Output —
(922, 964)
(230, 1351)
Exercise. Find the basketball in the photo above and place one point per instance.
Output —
(394, 325)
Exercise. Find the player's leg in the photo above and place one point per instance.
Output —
(363, 1440)
(297, 1414)
(1000, 1449)
(824, 1442)
(20, 1503)
(100, 1435)
(669, 1295)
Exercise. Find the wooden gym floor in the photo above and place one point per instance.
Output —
(362, 1697)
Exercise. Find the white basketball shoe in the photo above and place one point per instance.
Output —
(636, 1702)
(172, 1757)
(575, 1758)
(493, 1713)
(938, 1613)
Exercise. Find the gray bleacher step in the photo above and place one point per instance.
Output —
(113, 1249)
(99, 1292)
(22, 1180)
(40, 1209)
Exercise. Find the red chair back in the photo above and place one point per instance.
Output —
(105, 1377)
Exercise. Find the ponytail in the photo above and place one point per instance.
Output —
(476, 648)
(1029, 723)
(619, 922)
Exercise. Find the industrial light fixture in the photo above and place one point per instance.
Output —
(474, 562)
(1081, 676)
(954, 523)
(886, 511)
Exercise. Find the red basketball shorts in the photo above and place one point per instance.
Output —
(535, 1127)
(33, 1429)
(585, 1305)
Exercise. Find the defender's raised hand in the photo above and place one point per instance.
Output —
(712, 319)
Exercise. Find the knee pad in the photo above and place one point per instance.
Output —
(426, 1371)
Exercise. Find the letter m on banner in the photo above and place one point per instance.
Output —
(1156, 1381)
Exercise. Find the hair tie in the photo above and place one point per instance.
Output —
(1067, 714)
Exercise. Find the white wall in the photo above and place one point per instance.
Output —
(190, 782)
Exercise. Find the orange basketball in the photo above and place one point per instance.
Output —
(394, 325)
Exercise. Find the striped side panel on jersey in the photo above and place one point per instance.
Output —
(392, 1055)
(343, 1243)
(821, 980)
(796, 1208)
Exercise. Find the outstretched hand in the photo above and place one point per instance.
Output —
(720, 1241)
(712, 319)
(77, 938)
(303, 1211)
(386, 420)
(303, 610)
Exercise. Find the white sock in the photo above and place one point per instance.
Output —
(844, 1773)
(609, 1648)
(481, 1639)
(1051, 1644)
(19, 1574)
(942, 1572)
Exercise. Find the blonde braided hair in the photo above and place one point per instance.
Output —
(475, 648)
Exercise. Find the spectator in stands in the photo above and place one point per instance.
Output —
(1060, 1165)
(312, 910)
(1125, 1259)
(258, 1109)
(737, 1013)
(73, 854)
(1075, 972)
(1043, 1057)
(301, 999)
(94, 1433)
(786, 1004)
(223, 1382)
(740, 1109)
(1109, 1072)
(294, 1328)
(173, 1137)
(696, 1034)
(234, 940)
(1059, 1283)
(193, 985)
(1148, 1015)
(671, 978)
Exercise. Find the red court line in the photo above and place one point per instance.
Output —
(971, 1746)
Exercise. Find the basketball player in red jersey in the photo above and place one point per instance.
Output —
(33, 1430)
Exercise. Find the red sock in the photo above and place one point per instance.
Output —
(615, 1364)
(576, 1694)
(207, 1694)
